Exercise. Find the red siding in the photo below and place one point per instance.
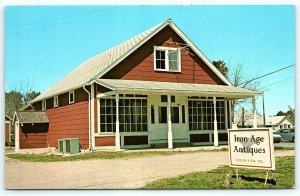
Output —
(33, 136)
(7, 132)
(140, 64)
(105, 141)
(69, 121)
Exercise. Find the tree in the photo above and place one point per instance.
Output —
(13, 102)
(280, 113)
(21, 95)
(236, 76)
(221, 66)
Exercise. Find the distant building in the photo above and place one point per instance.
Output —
(7, 130)
(275, 122)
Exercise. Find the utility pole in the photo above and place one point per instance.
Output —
(264, 116)
(243, 117)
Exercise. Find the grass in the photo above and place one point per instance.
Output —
(108, 155)
(99, 155)
(216, 179)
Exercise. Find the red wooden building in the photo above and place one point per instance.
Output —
(155, 88)
(7, 130)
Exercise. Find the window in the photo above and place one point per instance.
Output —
(132, 114)
(56, 101)
(175, 114)
(167, 59)
(183, 113)
(152, 114)
(201, 114)
(163, 114)
(71, 97)
(44, 105)
(164, 98)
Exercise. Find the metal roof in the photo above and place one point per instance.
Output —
(122, 86)
(32, 117)
(98, 65)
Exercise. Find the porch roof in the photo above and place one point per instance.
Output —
(137, 86)
(32, 117)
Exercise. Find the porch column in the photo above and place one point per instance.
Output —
(226, 114)
(92, 134)
(117, 135)
(216, 138)
(254, 112)
(230, 114)
(170, 134)
(17, 138)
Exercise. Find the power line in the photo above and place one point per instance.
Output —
(70, 21)
(266, 74)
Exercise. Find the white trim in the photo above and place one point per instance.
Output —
(71, 92)
(92, 114)
(17, 133)
(44, 104)
(98, 115)
(216, 137)
(55, 103)
(117, 136)
(107, 94)
(170, 134)
(167, 63)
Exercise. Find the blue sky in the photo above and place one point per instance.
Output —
(45, 43)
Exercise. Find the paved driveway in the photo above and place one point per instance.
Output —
(109, 174)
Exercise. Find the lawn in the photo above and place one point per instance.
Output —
(108, 155)
(99, 155)
(216, 179)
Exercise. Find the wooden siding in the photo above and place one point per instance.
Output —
(140, 64)
(70, 121)
(33, 136)
(105, 141)
(7, 132)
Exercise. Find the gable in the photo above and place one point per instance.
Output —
(140, 64)
(99, 65)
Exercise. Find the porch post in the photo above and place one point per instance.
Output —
(92, 134)
(170, 134)
(254, 112)
(216, 138)
(226, 114)
(17, 138)
(230, 115)
(117, 135)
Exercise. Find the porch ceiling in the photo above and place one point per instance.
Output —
(188, 89)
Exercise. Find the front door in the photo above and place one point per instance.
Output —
(158, 125)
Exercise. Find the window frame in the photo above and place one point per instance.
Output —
(44, 105)
(55, 104)
(167, 67)
(72, 92)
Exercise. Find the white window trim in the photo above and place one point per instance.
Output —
(55, 103)
(44, 105)
(167, 59)
(73, 97)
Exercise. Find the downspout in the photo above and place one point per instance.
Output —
(90, 137)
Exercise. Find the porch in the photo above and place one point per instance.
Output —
(143, 113)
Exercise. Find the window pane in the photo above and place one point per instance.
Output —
(152, 115)
(183, 113)
(175, 114)
(164, 98)
(162, 114)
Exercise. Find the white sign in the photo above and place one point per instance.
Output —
(251, 148)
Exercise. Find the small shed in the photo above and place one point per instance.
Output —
(31, 128)
(8, 132)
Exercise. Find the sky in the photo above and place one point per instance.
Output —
(45, 43)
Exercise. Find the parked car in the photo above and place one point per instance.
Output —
(276, 138)
(286, 134)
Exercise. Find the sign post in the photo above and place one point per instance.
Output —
(251, 148)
